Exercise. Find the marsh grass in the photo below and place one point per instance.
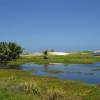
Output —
(96, 69)
(69, 59)
(54, 71)
(74, 72)
(21, 85)
(79, 58)
(90, 73)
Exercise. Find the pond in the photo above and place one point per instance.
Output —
(89, 73)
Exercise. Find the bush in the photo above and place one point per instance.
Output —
(9, 51)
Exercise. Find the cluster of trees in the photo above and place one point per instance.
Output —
(9, 51)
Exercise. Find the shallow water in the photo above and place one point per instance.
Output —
(81, 72)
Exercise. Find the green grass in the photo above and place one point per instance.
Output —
(54, 71)
(96, 69)
(96, 59)
(74, 72)
(69, 59)
(21, 85)
(79, 58)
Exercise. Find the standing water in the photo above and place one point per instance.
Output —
(89, 73)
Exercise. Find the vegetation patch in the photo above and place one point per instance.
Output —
(9, 51)
(79, 58)
(74, 72)
(96, 69)
(90, 73)
(55, 71)
(21, 85)
(70, 59)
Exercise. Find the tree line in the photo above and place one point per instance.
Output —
(9, 51)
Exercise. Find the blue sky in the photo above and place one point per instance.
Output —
(63, 25)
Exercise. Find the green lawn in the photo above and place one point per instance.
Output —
(20, 85)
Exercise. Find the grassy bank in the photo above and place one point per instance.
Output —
(70, 59)
(80, 59)
(20, 85)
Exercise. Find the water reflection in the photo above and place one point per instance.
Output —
(46, 67)
(83, 72)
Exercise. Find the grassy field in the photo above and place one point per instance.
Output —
(20, 85)
(69, 59)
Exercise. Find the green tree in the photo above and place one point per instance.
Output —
(45, 54)
(15, 50)
(4, 51)
(9, 51)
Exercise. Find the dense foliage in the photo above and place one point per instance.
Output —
(9, 51)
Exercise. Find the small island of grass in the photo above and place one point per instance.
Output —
(96, 69)
(54, 71)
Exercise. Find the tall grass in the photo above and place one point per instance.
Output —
(20, 85)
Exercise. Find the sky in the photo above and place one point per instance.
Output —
(62, 25)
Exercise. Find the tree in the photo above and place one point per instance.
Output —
(45, 54)
(9, 51)
(4, 51)
(15, 50)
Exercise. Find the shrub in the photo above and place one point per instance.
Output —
(9, 51)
